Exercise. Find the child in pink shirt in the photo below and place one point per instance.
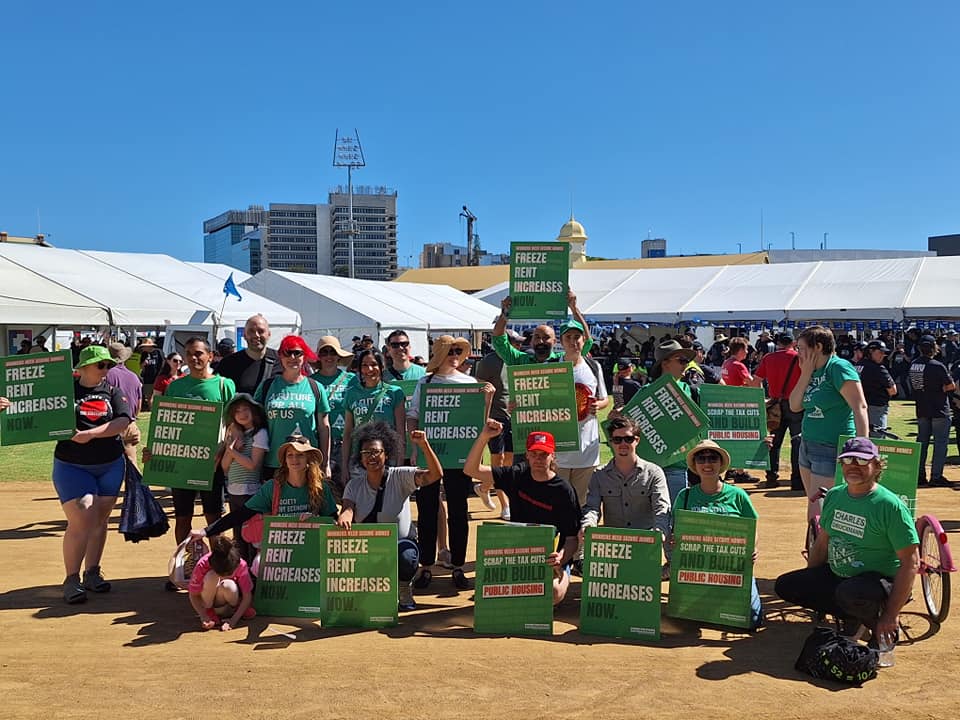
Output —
(220, 586)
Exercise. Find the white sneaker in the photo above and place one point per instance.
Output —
(484, 497)
(444, 559)
(505, 514)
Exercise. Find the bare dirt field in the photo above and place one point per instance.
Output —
(139, 649)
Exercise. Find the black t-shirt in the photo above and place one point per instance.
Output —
(928, 376)
(545, 503)
(875, 379)
(95, 407)
(151, 363)
(248, 373)
(630, 388)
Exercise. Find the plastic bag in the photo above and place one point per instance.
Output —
(827, 655)
(184, 560)
(141, 516)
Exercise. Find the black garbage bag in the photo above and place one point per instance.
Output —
(141, 516)
(827, 655)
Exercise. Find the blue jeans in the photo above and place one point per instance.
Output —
(940, 429)
(877, 415)
(408, 559)
(676, 481)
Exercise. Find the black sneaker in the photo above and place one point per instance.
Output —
(460, 581)
(576, 567)
(422, 579)
(73, 591)
(93, 580)
(771, 483)
(940, 482)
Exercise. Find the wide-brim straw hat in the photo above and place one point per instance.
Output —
(442, 346)
(672, 347)
(120, 352)
(332, 342)
(145, 344)
(708, 445)
(299, 444)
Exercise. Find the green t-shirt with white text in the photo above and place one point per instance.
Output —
(288, 406)
(336, 387)
(293, 500)
(826, 414)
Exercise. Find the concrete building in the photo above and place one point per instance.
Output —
(438, 255)
(944, 244)
(310, 238)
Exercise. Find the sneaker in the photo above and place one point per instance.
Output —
(460, 581)
(940, 482)
(505, 514)
(406, 603)
(422, 579)
(73, 591)
(249, 613)
(444, 559)
(93, 580)
(576, 567)
(770, 484)
(484, 497)
(665, 571)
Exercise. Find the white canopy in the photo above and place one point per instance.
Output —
(28, 298)
(343, 307)
(901, 289)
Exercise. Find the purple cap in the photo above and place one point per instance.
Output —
(860, 447)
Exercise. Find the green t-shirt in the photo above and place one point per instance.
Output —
(731, 500)
(216, 388)
(293, 500)
(376, 403)
(827, 415)
(414, 372)
(511, 356)
(336, 387)
(289, 405)
(866, 532)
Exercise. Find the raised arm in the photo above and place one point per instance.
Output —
(473, 466)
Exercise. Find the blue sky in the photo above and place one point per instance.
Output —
(128, 126)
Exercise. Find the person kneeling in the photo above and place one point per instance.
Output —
(220, 586)
(862, 566)
(537, 495)
(378, 493)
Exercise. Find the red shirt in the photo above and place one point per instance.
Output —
(735, 373)
(773, 369)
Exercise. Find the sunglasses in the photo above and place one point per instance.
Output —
(851, 460)
(457, 351)
(324, 351)
(371, 453)
(176, 360)
(398, 345)
(707, 457)
(293, 353)
(104, 365)
(620, 439)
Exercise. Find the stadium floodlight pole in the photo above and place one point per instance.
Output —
(348, 153)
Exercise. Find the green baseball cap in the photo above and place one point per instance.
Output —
(94, 354)
(571, 325)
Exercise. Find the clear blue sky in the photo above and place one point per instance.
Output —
(128, 126)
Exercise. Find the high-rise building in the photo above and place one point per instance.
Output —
(310, 238)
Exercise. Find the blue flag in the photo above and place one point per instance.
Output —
(229, 288)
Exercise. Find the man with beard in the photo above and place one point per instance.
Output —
(543, 341)
(256, 363)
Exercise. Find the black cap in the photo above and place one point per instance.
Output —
(784, 338)
(624, 362)
(928, 340)
(697, 345)
(877, 345)
(226, 344)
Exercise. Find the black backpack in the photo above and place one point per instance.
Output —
(828, 655)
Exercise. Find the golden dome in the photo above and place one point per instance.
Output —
(572, 231)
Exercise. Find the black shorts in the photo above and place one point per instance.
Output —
(212, 501)
(504, 441)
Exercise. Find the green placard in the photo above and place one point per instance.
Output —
(291, 568)
(544, 399)
(183, 440)
(514, 590)
(359, 578)
(670, 423)
(901, 460)
(738, 423)
(711, 571)
(40, 390)
(538, 280)
(620, 596)
(451, 417)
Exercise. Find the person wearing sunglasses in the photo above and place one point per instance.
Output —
(335, 379)
(401, 367)
(709, 462)
(381, 494)
(862, 566)
(88, 470)
(448, 354)
(628, 492)
(172, 365)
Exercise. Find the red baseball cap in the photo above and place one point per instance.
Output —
(539, 440)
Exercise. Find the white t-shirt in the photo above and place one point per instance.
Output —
(589, 454)
(457, 378)
(397, 489)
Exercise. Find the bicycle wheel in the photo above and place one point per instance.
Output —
(933, 579)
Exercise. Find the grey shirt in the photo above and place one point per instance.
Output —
(398, 487)
(490, 368)
(639, 500)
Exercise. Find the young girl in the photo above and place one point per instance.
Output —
(245, 446)
(220, 586)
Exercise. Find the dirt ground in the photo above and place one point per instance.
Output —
(140, 648)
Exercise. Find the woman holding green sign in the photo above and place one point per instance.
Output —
(88, 470)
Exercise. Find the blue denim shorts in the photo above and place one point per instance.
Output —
(74, 481)
(819, 458)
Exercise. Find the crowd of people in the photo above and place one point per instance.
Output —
(322, 431)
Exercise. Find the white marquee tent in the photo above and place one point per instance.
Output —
(900, 290)
(343, 307)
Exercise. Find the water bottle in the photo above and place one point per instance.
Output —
(885, 647)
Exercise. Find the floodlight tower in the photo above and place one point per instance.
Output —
(348, 153)
(471, 219)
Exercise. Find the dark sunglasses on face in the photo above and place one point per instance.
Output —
(293, 353)
(107, 366)
(455, 351)
(176, 360)
(862, 462)
(398, 345)
(706, 457)
(620, 439)
(326, 351)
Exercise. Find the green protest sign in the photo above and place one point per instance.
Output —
(291, 568)
(620, 596)
(670, 423)
(359, 578)
(538, 280)
(514, 589)
(451, 417)
(738, 423)
(544, 399)
(711, 571)
(901, 459)
(40, 390)
(183, 440)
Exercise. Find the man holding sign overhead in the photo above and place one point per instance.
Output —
(543, 340)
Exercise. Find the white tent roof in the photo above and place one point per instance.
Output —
(885, 289)
(28, 298)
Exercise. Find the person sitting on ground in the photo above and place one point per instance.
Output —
(862, 566)
(381, 494)
(221, 587)
(537, 495)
